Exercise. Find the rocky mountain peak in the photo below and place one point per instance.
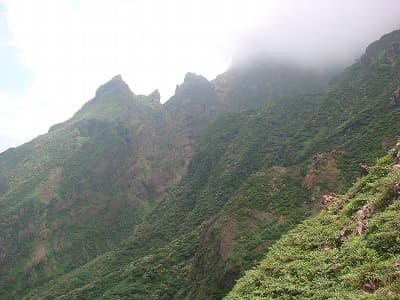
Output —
(385, 51)
(114, 86)
(193, 77)
(193, 83)
(154, 97)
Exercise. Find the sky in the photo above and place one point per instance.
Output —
(55, 53)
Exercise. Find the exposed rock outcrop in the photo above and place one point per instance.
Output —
(154, 97)
(395, 98)
(322, 178)
(396, 160)
(364, 170)
(360, 219)
(114, 87)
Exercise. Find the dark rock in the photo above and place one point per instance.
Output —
(363, 169)
(154, 97)
(371, 286)
(396, 160)
(395, 98)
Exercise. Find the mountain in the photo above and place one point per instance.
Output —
(75, 192)
(79, 191)
(131, 199)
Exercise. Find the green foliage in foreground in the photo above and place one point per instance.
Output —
(310, 263)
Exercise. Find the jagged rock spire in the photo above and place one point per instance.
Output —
(115, 85)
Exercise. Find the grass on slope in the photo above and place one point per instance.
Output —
(311, 262)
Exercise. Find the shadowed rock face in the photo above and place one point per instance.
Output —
(191, 109)
(394, 99)
(194, 99)
(154, 97)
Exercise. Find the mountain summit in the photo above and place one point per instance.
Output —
(116, 86)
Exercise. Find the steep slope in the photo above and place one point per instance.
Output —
(349, 251)
(254, 176)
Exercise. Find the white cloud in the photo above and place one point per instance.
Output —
(319, 33)
(12, 132)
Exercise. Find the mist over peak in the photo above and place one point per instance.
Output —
(321, 34)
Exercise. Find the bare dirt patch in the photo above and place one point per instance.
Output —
(47, 190)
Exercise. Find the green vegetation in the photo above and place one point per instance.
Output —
(349, 251)
(77, 191)
(130, 199)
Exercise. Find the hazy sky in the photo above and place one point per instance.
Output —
(55, 53)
